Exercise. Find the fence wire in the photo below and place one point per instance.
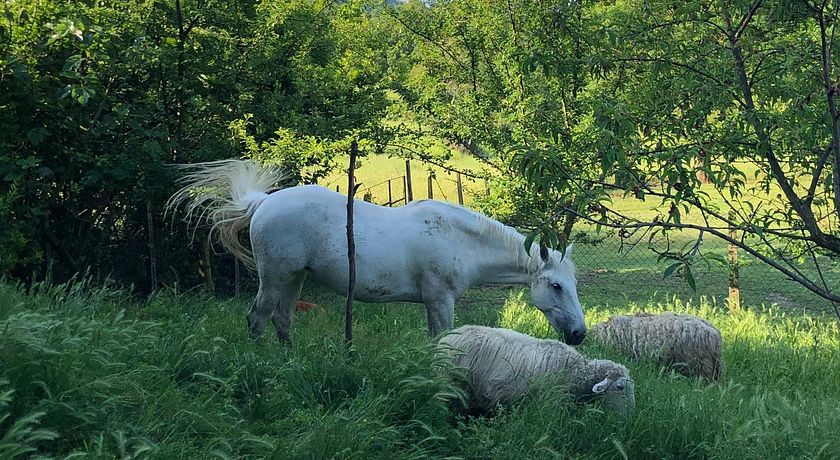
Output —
(612, 273)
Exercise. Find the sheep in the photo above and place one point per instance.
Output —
(500, 365)
(686, 343)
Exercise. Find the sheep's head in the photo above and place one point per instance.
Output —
(618, 394)
(613, 386)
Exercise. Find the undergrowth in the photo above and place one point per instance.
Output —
(92, 372)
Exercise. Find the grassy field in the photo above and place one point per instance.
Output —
(92, 373)
(619, 277)
(374, 172)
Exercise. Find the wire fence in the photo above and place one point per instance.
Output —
(610, 272)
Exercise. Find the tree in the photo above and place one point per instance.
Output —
(96, 99)
(585, 99)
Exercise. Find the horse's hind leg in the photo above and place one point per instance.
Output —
(267, 297)
(283, 312)
(274, 294)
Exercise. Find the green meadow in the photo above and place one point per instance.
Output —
(374, 171)
(95, 373)
(619, 273)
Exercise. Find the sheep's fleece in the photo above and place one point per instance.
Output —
(500, 364)
(687, 343)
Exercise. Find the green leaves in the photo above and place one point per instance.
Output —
(66, 28)
(79, 93)
(37, 135)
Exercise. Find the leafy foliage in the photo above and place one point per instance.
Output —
(668, 103)
(97, 98)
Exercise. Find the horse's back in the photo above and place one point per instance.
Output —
(312, 208)
(304, 227)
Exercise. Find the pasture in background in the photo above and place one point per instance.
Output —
(375, 171)
(616, 271)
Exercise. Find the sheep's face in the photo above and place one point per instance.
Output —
(554, 292)
(618, 394)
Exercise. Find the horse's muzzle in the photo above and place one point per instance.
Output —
(574, 336)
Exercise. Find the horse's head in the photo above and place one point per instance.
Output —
(554, 292)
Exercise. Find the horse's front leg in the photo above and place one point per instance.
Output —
(440, 315)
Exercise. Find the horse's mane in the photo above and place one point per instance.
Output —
(514, 240)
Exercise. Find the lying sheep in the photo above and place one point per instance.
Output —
(687, 343)
(500, 364)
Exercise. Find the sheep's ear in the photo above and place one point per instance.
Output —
(601, 386)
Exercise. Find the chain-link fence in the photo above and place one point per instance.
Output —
(611, 271)
(618, 273)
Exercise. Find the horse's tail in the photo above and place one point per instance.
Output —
(226, 193)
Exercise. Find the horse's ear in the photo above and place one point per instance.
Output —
(544, 252)
(568, 252)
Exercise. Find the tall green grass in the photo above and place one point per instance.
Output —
(88, 372)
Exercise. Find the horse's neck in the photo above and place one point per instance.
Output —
(507, 262)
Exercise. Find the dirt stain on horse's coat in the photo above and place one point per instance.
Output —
(435, 225)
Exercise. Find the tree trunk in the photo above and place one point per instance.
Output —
(153, 284)
(567, 227)
(207, 267)
(734, 298)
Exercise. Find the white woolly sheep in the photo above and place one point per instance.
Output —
(500, 365)
(686, 343)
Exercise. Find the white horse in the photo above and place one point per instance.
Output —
(427, 252)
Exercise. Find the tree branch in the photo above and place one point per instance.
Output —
(750, 112)
(689, 67)
(430, 40)
(746, 19)
(831, 90)
(807, 283)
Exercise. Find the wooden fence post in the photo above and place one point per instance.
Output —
(48, 258)
(487, 187)
(460, 190)
(351, 248)
(236, 277)
(209, 282)
(734, 298)
(153, 284)
(431, 193)
(409, 190)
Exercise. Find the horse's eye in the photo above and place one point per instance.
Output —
(557, 287)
